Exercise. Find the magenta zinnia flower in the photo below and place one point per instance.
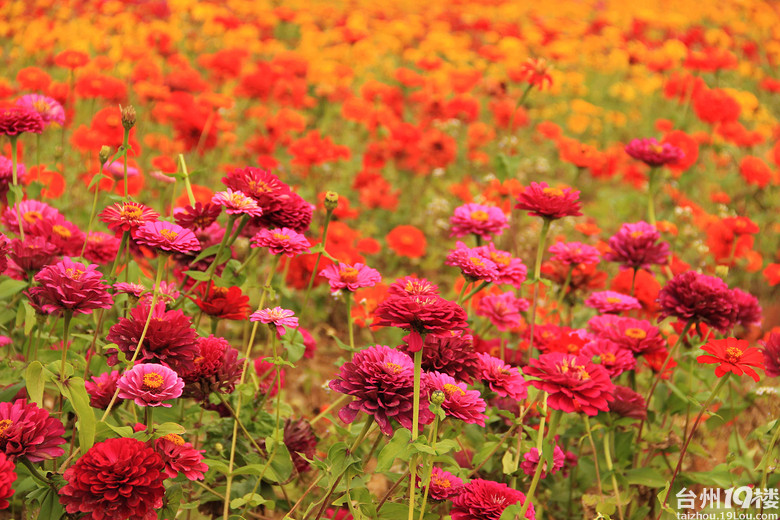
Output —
(443, 484)
(166, 236)
(127, 216)
(217, 369)
(486, 500)
(612, 356)
(294, 213)
(531, 461)
(472, 264)
(503, 310)
(180, 457)
(30, 432)
(71, 287)
(542, 200)
(637, 246)
(700, 298)
(264, 187)
(503, 379)
(381, 381)
(459, 402)
(452, 355)
(199, 216)
(116, 478)
(612, 302)
(29, 212)
(149, 384)
(653, 153)
(771, 353)
(7, 478)
(15, 120)
(427, 314)
(102, 388)
(236, 203)
(749, 311)
(412, 286)
(49, 109)
(639, 336)
(276, 317)
(102, 248)
(281, 241)
(479, 220)
(511, 271)
(350, 277)
(574, 384)
(628, 403)
(573, 253)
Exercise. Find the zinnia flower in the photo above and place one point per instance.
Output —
(531, 461)
(748, 309)
(511, 271)
(573, 253)
(639, 336)
(503, 379)
(452, 355)
(217, 369)
(29, 212)
(127, 216)
(224, 303)
(503, 310)
(701, 298)
(459, 402)
(653, 153)
(381, 381)
(102, 248)
(612, 356)
(350, 277)
(541, 200)
(116, 478)
(7, 478)
(426, 314)
(294, 213)
(637, 246)
(236, 203)
(15, 120)
(199, 216)
(733, 355)
(30, 432)
(70, 286)
(442, 485)
(628, 403)
(264, 187)
(149, 384)
(276, 317)
(301, 442)
(281, 241)
(479, 220)
(612, 302)
(574, 384)
(412, 286)
(102, 388)
(772, 355)
(49, 109)
(486, 500)
(180, 457)
(166, 236)
(472, 264)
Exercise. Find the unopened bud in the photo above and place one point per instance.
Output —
(438, 397)
(104, 154)
(128, 117)
(596, 360)
(331, 200)
(722, 271)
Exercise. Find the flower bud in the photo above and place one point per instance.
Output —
(438, 397)
(722, 271)
(331, 200)
(128, 117)
(104, 154)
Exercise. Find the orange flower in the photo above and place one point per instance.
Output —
(33, 78)
(407, 241)
(755, 171)
(689, 147)
(71, 59)
(772, 274)
(53, 182)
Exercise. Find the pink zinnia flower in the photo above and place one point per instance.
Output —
(412, 286)
(167, 237)
(264, 187)
(426, 314)
(276, 317)
(653, 153)
(127, 216)
(574, 384)
(472, 264)
(381, 382)
(531, 461)
(771, 353)
(236, 203)
(443, 484)
(180, 457)
(102, 248)
(69, 286)
(511, 271)
(15, 120)
(133, 289)
(612, 302)
(639, 336)
(30, 432)
(29, 212)
(637, 246)
(116, 169)
(749, 311)
(149, 384)
(350, 277)
(503, 310)
(199, 216)
(116, 478)
(459, 402)
(30, 255)
(613, 357)
(102, 388)
(479, 220)
(281, 241)
(573, 253)
(542, 200)
(701, 298)
(628, 403)
(7, 478)
(503, 379)
(48, 108)
(486, 500)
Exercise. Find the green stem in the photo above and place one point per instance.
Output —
(213, 266)
(187, 185)
(125, 150)
(122, 244)
(651, 188)
(427, 471)
(463, 291)
(330, 407)
(610, 467)
(92, 216)
(565, 286)
(535, 281)
(767, 457)
(350, 324)
(68, 314)
(555, 418)
(473, 292)
(15, 180)
(589, 433)
(415, 428)
(148, 412)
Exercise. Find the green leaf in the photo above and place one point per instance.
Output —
(209, 251)
(199, 276)
(281, 466)
(169, 427)
(649, 477)
(11, 287)
(294, 346)
(79, 398)
(96, 179)
(35, 382)
(30, 319)
(217, 465)
(8, 394)
(174, 496)
(253, 499)
(398, 447)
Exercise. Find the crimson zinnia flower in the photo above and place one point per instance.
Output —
(574, 384)
(412, 286)
(301, 442)
(503, 379)
(166, 236)
(443, 484)
(628, 403)
(127, 216)
(701, 298)
(199, 216)
(217, 369)
(545, 201)
(70, 286)
(733, 355)
(102, 388)
(7, 478)
(180, 457)
(453, 355)
(640, 336)
(653, 153)
(263, 186)
(225, 303)
(15, 120)
(30, 432)
(381, 381)
(637, 246)
(772, 355)
(116, 478)
(426, 314)
(459, 402)
(486, 500)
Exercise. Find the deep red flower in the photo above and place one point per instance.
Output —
(116, 478)
(7, 478)
(30, 432)
(459, 402)
(425, 314)
(637, 246)
(653, 153)
(733, 355)
(102, 388)
(199, 216)
(69, 286)
(486, 500)
(224, 303)
(542, 200)
(15, 120)
(300, 440)
(628, 403)
(294, 213)
(453, 355)
(503, 379)
(693, 296)
(263, 186)
(772, 355)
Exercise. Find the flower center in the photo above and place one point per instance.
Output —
(32, 216)
(608, 357)
(153, 381)
(553, 192)
(169, 235)
(279, 236)
(348, 274)
(637, 234)
(73, 274)
(62, 231)
(394, 367)
(451, 389)
(636, 333)
(500, 259)
(733, 354)
(41, 106)
(131, 212)
(219, 292)
(441, 482)
(477, 261)
(613, 299)
(479, 215)
(4, 425)
(657, 149)
(176, 439)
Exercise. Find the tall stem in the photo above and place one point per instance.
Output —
(434, 435)
(610, 467)
(767, 458)
(589, 433)
(65, 335)
(415, 428)
(556, 416)
(125, 150)
(187, 185)
(14, 167)
(350, 323)
(651, 188)
(535, 281)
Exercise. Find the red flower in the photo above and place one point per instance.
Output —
(224, 303)
(486, 500)
(694, 296)
(30, 432)
(547, 202)
(116, 478)
(180, 457)
(452, 355)
(425, 314)
(734, 355)
(69, 286)
(127, 216)
(7, 477)
(16, 120)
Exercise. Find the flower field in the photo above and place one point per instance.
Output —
(326, 260)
